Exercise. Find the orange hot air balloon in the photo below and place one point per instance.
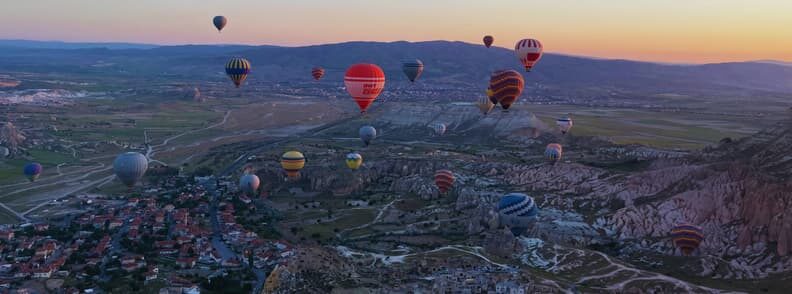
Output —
(488, 40)
(444, 179)
(528, 51)
(506, 86)
(317, 73)
(364, 82)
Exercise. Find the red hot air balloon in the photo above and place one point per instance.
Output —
(528, 51)
(488, 40)
(687, 237)
(364, 82)
(505, 86)
(317, 73)
(444, 179)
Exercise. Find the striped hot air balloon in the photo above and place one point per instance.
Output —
(292, 162)
(130, 167)
(364, 82)
(317, 73)
(484, 105)
(517, 211)
(237, 69)
(32, 171)
(553, 152)
(412, 69)
(506, 86)
(367, 134)
(687, 237)
(219, 22)
(354, 160)
(438, 128)
(444, 179)
(528, 51)
(488, 40)
(249, 183)
(564, 124)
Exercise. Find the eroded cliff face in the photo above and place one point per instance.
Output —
(739, 192)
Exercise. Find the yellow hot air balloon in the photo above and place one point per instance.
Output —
(354, 160)
(292, 162)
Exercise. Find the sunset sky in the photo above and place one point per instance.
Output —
(669, 31)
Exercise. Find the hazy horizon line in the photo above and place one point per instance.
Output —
(762, 60)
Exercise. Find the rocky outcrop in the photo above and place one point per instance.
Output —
(10, 137)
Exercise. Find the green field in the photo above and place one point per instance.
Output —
(652, 128)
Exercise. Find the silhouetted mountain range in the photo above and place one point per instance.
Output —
(448, 63)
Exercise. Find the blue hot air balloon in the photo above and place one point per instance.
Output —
(32, 170)
(130, 167)
(367, 133)
(517, 211)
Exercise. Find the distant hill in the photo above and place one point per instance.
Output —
(453, 64)
(70, 45)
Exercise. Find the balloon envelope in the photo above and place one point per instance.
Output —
(553, 152)
(317, 73)
(687, 237)
(32, 170)
(367, 134)
(354, 160)
(412, 69)
(364, 82)
(528, 51)
(237, 69)
(488, 40)
(444, 179)
(249, 183)
(292, 162)
(517, 211)
(130, 167)
(484, 105)
(506, 86)
(439, 128)
(219, 22)
(564, 124)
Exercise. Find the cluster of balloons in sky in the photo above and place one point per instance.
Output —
(364, 82)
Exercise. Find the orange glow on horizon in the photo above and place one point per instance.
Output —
(691, 31)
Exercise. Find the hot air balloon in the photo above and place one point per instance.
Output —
(564, 124)
(488, 40)
(553, 152)
(130, 167)
(687, 237)
(354, 160)
(237, 69)
(317, 73)
(364, 82)
(438, 128)
(484, 105)
(219, 22)
(292, 162)
(506, 87)
(413, 69)
(444, 179)
(367, 133)
(517, 211)
(249, 183)
(32, 170)
(490, 93)
(528, 51)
